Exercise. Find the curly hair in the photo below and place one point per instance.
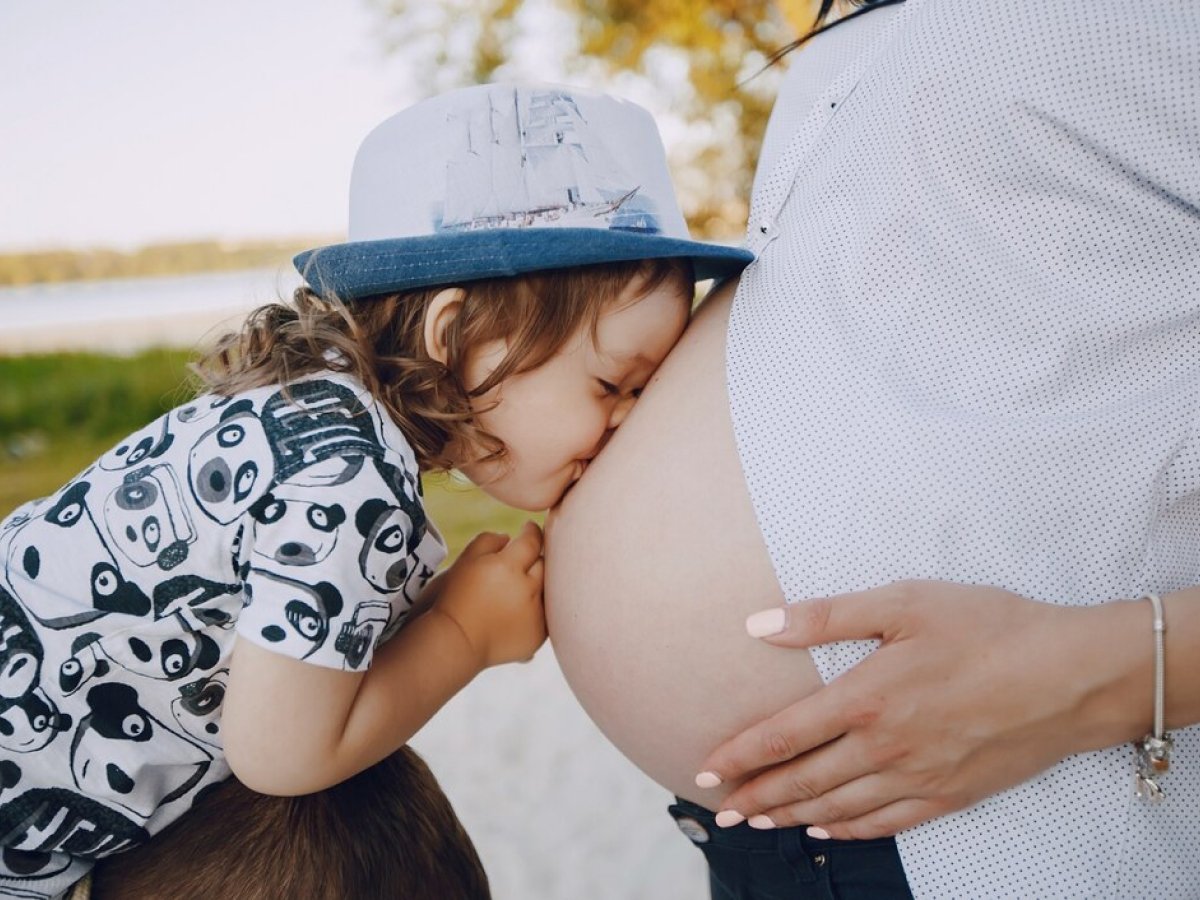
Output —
(379, 340)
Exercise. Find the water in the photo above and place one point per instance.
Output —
(130, 313)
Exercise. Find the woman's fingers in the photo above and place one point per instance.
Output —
(831, 711)
(830, 783)
(806, 724)
(882, 822)
(874, 613)
(872, 806)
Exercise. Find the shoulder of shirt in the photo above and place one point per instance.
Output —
(394, 442)
(396, 447)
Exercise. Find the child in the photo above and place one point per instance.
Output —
(225, 589)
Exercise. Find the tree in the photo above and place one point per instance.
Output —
(699, 65)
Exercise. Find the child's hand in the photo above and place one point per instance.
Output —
(493, 591)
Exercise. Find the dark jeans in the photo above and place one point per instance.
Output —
(745, 863)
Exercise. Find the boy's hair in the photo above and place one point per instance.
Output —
(380, 341)
(388, 831)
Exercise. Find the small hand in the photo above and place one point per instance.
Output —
(493, 591)
(972, 690)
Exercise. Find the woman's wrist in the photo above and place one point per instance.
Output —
(1110, 648)
(1113, 667)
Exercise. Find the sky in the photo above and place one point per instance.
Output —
(124, 122)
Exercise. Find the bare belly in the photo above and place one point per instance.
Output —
(654, 560)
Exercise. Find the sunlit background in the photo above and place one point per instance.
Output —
(128, 122)
(159, 164)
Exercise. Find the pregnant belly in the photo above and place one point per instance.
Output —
(653, 561)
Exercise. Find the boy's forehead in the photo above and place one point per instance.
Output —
(634, 335)
(622, 361)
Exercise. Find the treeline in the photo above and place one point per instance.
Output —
(156, 259)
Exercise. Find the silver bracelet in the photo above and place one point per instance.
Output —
(1154, 750)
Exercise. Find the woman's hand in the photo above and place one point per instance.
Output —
(493, 592)
(972, 690)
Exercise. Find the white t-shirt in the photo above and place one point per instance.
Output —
(291, 518)
(970, 350)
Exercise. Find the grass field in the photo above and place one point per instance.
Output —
(58, 412)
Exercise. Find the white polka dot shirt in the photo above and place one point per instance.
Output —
(970, 350)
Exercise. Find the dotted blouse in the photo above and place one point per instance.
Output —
(970, 350)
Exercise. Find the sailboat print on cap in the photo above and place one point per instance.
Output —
(527, 158)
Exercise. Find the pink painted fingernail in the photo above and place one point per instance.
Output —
(761, 822)
(767, 622)
(815, 832)
(708, 780)
(727, 818)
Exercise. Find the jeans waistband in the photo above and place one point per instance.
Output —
(747, 863)
(743, 837)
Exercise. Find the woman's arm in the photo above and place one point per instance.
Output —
(972, 690)
(291, 727)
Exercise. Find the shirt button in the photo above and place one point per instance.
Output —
(765, 226)
(694, 831)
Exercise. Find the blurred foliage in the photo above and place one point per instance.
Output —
(59, 412)
(86, 396)
(34, 267)
(460, 510)
(701, 61)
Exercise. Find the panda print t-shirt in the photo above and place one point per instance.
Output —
(290, 517)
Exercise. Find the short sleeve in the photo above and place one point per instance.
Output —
(335, 557)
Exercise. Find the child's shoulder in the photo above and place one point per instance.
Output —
(296, 426)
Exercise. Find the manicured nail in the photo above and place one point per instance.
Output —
(819, 833)
(727, 818)
(708, 780)
(761, 822)
(767, 622)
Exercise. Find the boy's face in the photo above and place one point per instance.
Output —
(555, 418)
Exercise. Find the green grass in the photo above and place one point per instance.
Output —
(73, 396)
(58, 412)
(461, 511)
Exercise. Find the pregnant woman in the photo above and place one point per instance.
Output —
(969, 351)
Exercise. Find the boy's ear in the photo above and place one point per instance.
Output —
(443, 309)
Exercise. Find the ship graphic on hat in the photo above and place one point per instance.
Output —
(498, 180)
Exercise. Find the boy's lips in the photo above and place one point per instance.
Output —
(576, 473)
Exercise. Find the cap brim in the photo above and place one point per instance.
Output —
(363, 268)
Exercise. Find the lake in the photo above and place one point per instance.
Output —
(129, 314)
